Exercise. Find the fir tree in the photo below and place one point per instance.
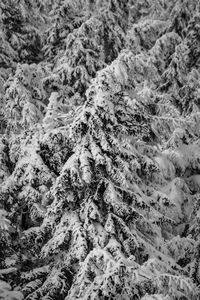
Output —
(25, 98)
(99, 221)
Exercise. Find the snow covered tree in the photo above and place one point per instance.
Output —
(92, 36)
(52, 110)
(21, 39)
(25, 97)
(66, 16)
(181, 13)
(143, 35)
(101, 231)
(22, 197)
(81, 60)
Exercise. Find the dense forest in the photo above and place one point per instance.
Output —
(100, 149)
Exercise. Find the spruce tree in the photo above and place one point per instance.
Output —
(100, 223)
(25, 98)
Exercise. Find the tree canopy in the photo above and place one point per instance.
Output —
(99, 150)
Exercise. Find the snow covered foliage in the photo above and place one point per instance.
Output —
(21, 40)
(81, 59)
(25, 97)
(99, 150)
(102, 221)
(82, 41)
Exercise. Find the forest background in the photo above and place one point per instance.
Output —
(100, 149)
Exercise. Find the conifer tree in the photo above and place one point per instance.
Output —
(20, 41)
(25, 97)
(100, 222)
(66, 16)
(96, 36)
